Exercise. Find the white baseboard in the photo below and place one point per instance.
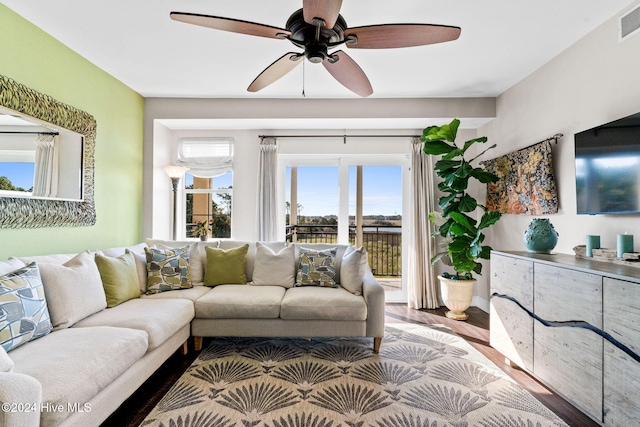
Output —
(481, 303)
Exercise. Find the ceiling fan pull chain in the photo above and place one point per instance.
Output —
(303, 75)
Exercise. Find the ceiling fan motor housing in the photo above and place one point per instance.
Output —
(314, 40)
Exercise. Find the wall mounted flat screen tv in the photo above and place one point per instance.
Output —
(608, 168)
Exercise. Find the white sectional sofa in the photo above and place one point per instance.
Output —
(96, 357)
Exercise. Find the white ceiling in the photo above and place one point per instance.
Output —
(502, 41)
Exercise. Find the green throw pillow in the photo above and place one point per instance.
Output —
(317, 268)
(24, 315)
(226, 266)
(168, 269)
(119, 278)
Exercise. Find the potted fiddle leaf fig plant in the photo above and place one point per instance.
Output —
(462, 235)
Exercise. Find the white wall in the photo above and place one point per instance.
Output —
(595, 81)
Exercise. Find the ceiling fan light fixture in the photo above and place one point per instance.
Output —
(316, 52)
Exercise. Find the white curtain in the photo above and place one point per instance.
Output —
(423, 289)
(206, 157)
(47, 165)
(267, 194)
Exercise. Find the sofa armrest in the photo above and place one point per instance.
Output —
(21, 399)
(373, 293)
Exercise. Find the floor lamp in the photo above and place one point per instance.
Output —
(175, 173)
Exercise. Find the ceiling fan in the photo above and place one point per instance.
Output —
(317, 28)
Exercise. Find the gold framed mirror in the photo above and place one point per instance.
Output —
(25, 211)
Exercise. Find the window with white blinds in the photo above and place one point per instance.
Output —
(206, 157)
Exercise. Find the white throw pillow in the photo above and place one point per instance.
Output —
(274, 268)
(73, 290)
(353, 269)
(10, 265)
(6, 364)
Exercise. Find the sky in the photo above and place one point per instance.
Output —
(318, 190)
(317, 187)
(20, 174)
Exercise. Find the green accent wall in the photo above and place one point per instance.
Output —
(31, 57)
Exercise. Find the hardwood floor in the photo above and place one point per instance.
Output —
(475, 330)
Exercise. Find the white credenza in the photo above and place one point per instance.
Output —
(574, 324)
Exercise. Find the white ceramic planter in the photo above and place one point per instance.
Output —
(457, 296)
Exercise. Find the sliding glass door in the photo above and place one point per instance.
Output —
(360, 200)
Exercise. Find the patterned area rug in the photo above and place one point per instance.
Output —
(424, 376)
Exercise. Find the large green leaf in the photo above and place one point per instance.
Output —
(457, 184)
(486, 252)
(438, 147)
(459, 244)
(443, 165)
(452, 154)
(465, 265)
(478, 268)
(451, 130)
(470, 142)
(475, 250)
(467, 204)
(483, 176)
(445, 200)
(464, 170)
(489, 218)
(462, 220)
(459, 230)
(465, 221)
(444, 187)
(447, 132)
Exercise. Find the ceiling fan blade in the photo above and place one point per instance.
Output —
(349, 74)
(400, 35)
(327, 10)
(229, 24)
(275, 71)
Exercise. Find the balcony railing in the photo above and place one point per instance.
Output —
(382, 243)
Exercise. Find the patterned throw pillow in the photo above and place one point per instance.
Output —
(317, 268)
(23, 308)
(167, 269)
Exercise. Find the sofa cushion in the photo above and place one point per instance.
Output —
(119, 277)
(168, 269)
(24, 315)
(159, 318)
(240, 302)
(354, 266)
(191, 294)
(73, 290)
(274, 267)
(226, 267)
(6, 363)
(316, 268)
(73, 365)
(318, 303)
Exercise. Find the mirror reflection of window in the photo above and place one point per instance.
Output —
(38, 161)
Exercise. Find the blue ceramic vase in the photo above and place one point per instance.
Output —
(540, 237)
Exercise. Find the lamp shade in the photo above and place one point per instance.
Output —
(175, 171)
